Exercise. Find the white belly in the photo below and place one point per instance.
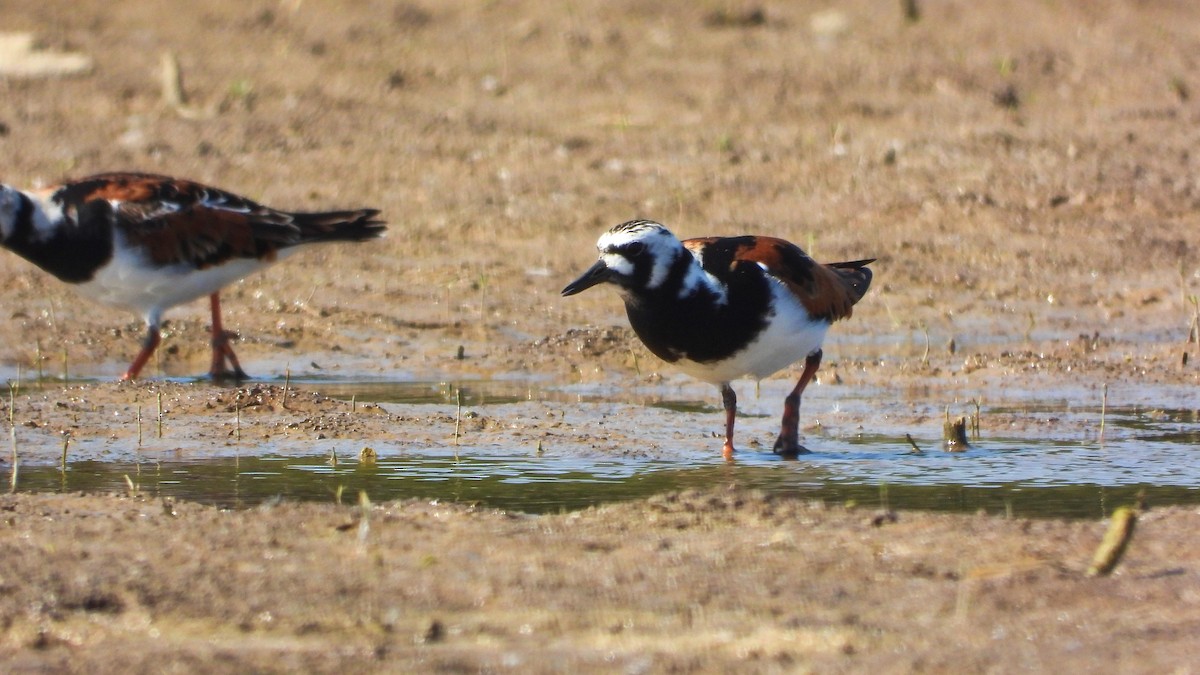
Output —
(790, 335)
(129, 281)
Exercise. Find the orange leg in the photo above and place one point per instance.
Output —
(788, 443)
(222, 351)
(149, 344)
(729, 400)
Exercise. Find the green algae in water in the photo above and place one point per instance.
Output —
(1151, 448)
(545, 485)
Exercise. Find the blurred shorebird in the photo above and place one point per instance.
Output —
(148, 243)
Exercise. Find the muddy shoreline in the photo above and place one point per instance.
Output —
(703, 581)
(1028, 187)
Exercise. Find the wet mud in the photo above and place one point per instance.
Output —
(1028, 187)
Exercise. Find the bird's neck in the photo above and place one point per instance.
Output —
(682, 279)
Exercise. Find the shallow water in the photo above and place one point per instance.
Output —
(551, 484)
(1022, 473)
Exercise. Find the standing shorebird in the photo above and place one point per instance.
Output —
(720, 308)
(148, 243)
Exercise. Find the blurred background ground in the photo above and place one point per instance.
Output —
(1023, 182)
(1024, 171)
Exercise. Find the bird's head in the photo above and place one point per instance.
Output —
(635, 255)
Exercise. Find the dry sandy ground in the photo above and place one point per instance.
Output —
(697, 582)
(1024, 171)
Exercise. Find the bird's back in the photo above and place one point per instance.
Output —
(828, 292)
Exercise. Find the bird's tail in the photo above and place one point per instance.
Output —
(358, 225)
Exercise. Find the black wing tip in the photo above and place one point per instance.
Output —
(351, 217)
(368, 221)
(355, 225)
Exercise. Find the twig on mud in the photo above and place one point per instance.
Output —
(896, 323)
(37, 354)
(287, 382)
(160, 415)
(1116, 540)
(916, 448)
(364, 520)
(66, 442)
(308, 300)
(457, 419)
(172, 81)
(1103, 411)
(482, 282)
(925, 355)
(975, 422)
(12, 438)
(1193, 336)
(172, 91)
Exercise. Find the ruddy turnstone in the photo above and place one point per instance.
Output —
(148, 243)
(724, 307)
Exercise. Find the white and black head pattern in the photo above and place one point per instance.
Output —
(639, 253)
(639, 256)
(26, 216)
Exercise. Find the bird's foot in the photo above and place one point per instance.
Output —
(228, 375)
(225, 366)
(789, 446)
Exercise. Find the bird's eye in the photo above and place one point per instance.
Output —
(635, 248)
